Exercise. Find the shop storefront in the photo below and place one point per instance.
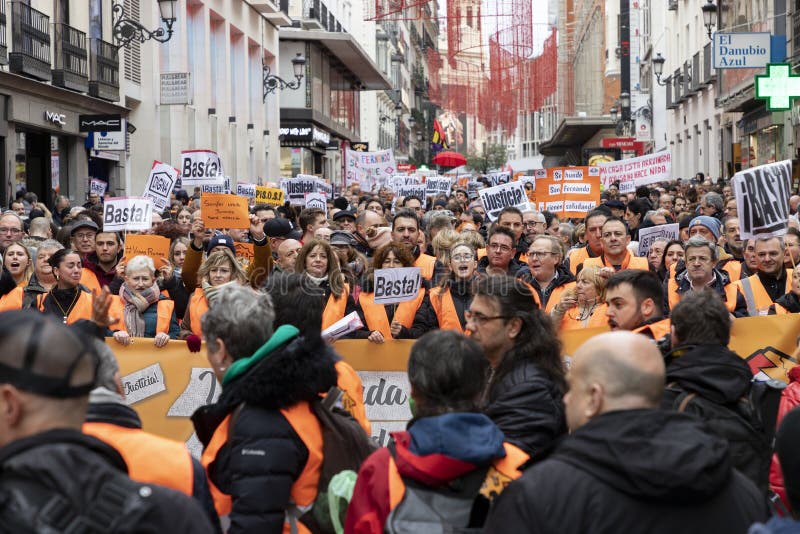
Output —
(303, 149)
(761, 139)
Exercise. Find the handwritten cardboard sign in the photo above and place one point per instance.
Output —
(152, 246)
(633, 172)
(762, 199)
(244, 253)
(224, 211)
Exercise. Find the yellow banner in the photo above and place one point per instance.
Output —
(166, 385)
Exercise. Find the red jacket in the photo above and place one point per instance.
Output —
(790, 398)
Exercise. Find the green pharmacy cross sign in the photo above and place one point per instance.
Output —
(778, 86)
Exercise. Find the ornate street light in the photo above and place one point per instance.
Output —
(709, 16)
(658, 68)
(273, 83)
(126, 30)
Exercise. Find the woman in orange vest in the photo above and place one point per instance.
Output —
(146, 312)
(40, 283)
(68, 300)
(449, 441)
(382, 322)
(584, 307)
(790, 302)
(317, 261)
(219, 270)
(445, 305)
(673, 253)
(17, 259)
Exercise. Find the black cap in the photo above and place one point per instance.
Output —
(344, 213)
(278, 227)
(615, 205)
(83, 223)
(343, 237)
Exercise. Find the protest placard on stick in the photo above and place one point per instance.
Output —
(127, 213)
(647, 236)
(762, 199)
(224, 211)
(500, 196)
(396, 285)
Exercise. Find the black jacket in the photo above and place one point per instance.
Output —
(426, 320)
(563, 277)
(77, 467)
(264, 455)
(788, 301)
(527, 406)
(632, 471)
(513, 266)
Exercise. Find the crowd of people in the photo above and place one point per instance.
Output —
(657, 423)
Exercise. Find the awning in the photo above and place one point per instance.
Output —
(345, 49)
(573, 133)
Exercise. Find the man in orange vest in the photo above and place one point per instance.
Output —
(405, 231)
(111, 420)
(594, 243)
(545, 273)
(759, 291)
(635, 301)
(616, 256)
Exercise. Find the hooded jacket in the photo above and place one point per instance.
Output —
(264, 455)
(640, 470)
(433, 452)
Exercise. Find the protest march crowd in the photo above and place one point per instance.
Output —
(655, 426)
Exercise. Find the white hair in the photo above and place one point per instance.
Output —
(140, 263)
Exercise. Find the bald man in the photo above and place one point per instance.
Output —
(287, 254)
(647, 470)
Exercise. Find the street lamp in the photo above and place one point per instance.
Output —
(658, 68)
(614, 113)
(709, 16)
(625, 102)
(272, 82)
(126, 30)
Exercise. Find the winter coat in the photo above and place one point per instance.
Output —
(563, 277)
(641, 470)
(790, 398)
(77, 467)
(264, 455)
(527, 406)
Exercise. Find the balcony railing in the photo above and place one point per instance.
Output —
(709, 74)
(104, 71)
(672, 102)
(70, 60)
(3, 41)
(312, 15)
(677, 86)
(697, 74)
(30, 42)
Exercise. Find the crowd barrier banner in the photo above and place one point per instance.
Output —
(166, 385)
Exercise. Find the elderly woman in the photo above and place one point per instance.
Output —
(387, 321)
(41, 281)
(219, 270)
(146, 312)
(319, 263)
(17, 259)
(585, 306)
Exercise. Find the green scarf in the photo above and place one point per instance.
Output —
(283, 334)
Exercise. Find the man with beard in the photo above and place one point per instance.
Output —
(635, 302)
(500, 252)
(103, 261)
(512, 218)
(594, 243)
(405, 231)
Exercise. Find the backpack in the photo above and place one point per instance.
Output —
(345, 446)
(748, 425)
(457, 508)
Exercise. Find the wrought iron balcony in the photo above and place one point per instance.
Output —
(70, 60)
(30, 42)
(3, 41)
(104, 71)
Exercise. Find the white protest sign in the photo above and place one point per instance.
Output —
(497, 178)
(501, 196)
(648, 236)
(144, 383)
(369, 169)
(435, 185)
(324, 187)
(415, 190)
(200, 167)
(217, 187)
(246, 190)
(98, 186)
(317, 200)
(386, 396)
(633, 172)
(473, 188)
(762, 199)
(396, 285)
(528, 180)
(127, 213)
(295, 189)
(159, 184)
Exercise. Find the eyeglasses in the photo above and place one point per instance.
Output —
(480, 318)
(501, 248)
(531, 224)
(539, 254)
(87, 235)
(462, 257)
(13, 231)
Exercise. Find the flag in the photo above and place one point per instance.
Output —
(438, 141)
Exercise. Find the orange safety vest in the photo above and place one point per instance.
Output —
(481, 252)
(335, 308)
(304, 489)
(164, 309)
(734, 269)
(150, 458)
(445, 308)
(377, 319)
(630, 262)
(353, 399)
(577, 257)
(598, 318)
(656, 330)
(780, 310)
(757, 298)
(82, 308)
(555, 296)
(426, 264)
(198, 306)
(501, 473)
(12, 300)
(673, 297)
(89, 279)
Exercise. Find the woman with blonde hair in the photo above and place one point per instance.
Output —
(318, 261)
(220, 269)
(583, 307)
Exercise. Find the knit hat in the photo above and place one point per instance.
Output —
(709, 222)
(221, 240)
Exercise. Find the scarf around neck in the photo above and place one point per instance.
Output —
(212, 292)
(136, 302)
